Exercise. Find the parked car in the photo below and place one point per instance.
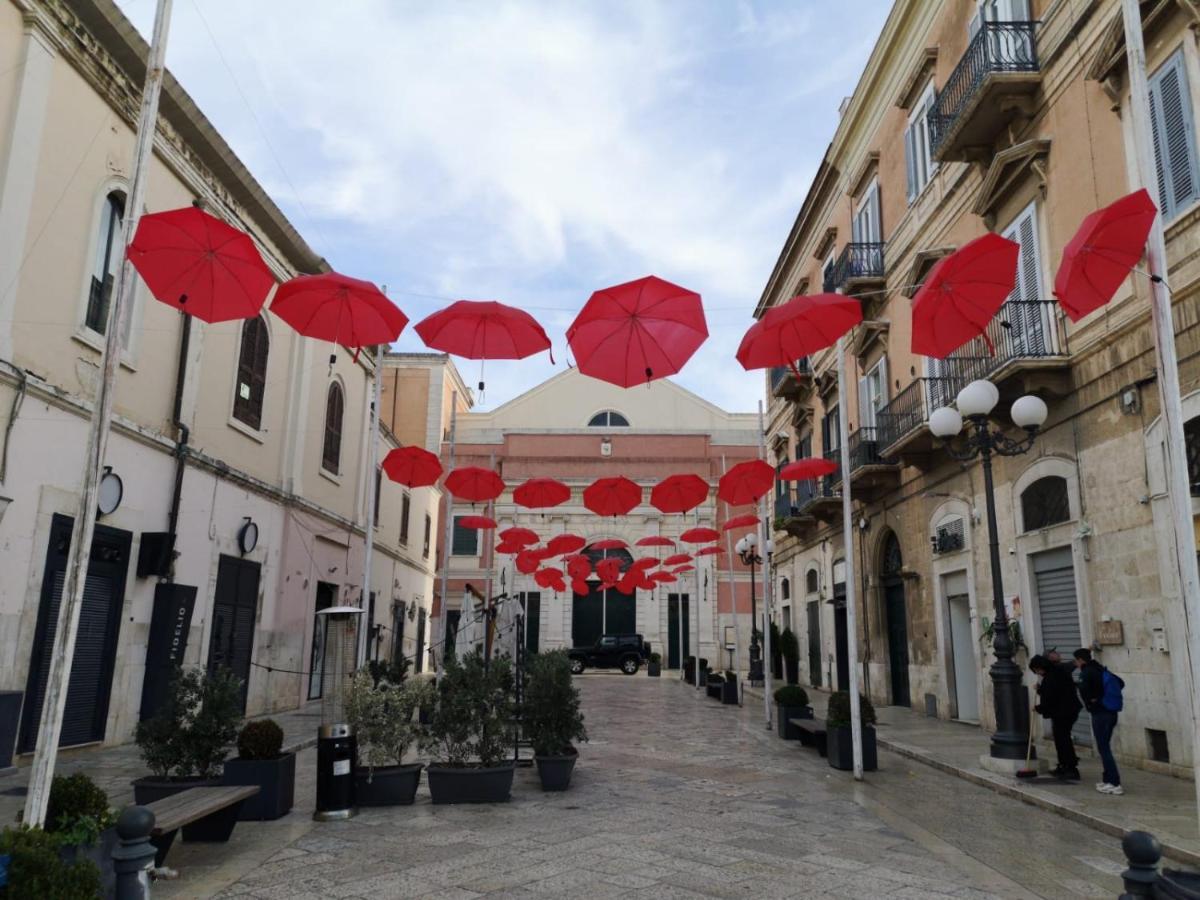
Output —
(626, 652)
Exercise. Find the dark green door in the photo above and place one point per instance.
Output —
(587, 619)
(620, 612)
(674, 605)
(235, 611)
(814, 643)
(531, 602)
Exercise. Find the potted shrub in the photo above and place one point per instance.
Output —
(689, 669)
(552, 720)
(702, 672)
(776, 654)
(382, 713)
(470, 731)
(729, 690)
(712, 686)
(78, 815)
(654, 665)
(390, 670)
(261, 761)
(791, 702)
(837, 727)
(36, 869)
(790, 648)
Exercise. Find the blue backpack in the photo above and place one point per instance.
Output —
(1112, 699)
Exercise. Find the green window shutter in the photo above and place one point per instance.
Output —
(465, 541)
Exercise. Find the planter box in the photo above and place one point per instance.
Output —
(713, 689)
(10, 718)
(840, 750)
(555, 771)
(654, 670)
(470, 784)
(275, 777)
(729, 693)
(786, 730)
(387, 785)
(99, 853)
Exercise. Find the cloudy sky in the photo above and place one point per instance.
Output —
(533, 152)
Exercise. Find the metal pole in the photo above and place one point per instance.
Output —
(1178, 491)
(764, 535)
(489, 557)
(732, 586)
(696, 523)
(369, 530)
(848, 540)
(71, 603)
(448, 531)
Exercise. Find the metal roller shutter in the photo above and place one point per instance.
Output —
(1058, 615)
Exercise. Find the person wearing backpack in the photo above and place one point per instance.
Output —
(1101, 692)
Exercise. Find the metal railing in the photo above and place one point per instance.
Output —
(785, 505)
(910, 408)
(996, 47)
(864, 449)
(857, 260)
(779, 374)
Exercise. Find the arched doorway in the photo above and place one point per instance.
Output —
(603, 611)
(896, 615)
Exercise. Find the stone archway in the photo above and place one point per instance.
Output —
(891, 579)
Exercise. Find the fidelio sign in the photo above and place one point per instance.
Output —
(169, 626)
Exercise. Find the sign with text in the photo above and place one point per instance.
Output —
(167, 642)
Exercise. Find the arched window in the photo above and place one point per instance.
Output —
(106, 263)
(785, 589)
(1045, 503)
(251, 373)
(608, 419)
(335, 405)
(811, 582)
(1191, 439)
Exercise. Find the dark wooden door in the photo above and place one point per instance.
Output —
(814, 643)
(235, 613)
(620, 612)
(896, 613)
(587, 618)
(419, 661)
(326, 595)
(531, 602)
(677, 604)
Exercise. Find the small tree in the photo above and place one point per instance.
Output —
(382, 715)
(790, 648)
(261, 739)
(552, 718)
(837, 713)
(473, 716)
(195, 726)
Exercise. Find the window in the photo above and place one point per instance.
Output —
(251, 373)
(1174, 134)
(918, 149)
(811, 582)
(608, 419)
(785, 589)
(106, 266)
(872, 394)
(428, 533)
(827, 284)
(335, 406)
(405, 510)
(1045, 503)
(1191, 440)
(1028, 318)
(830, 431)
(465, 541)
(865, 229)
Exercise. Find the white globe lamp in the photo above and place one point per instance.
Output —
(770, 546)
(751, 540)
(1029, 412)
(741, 546)
(945, 422)
(978, 398)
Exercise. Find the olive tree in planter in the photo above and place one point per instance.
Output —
(553, 722)
(654, 665)
(791, 702)
(837, 727)
(261, 761)
(790, 648)
(470, 731)
(382, 713)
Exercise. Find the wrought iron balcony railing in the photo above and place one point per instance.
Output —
(783, 376)
(910, 408)
(857, 260)
(864, 449)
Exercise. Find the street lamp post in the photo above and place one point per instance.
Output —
(747, 549)
(975, 403)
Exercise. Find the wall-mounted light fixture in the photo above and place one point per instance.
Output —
(109, 492)
(247, 536)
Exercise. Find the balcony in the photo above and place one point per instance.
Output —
(858, 268)
(871, 473)
(789, 384)
(992, 84)
(789, 515)
(903, 424)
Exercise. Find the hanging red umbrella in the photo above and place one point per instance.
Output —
(629, 581)
(521, 536)
(677, 559)
(412, 466)
(746, 482)
(663, 577)
(808, 468)
(699, 535)
(476, 523)
(749, 520)
(474, 484)
(1100, 256)
(527, 562)
(200, 265)
(547, 577)
(578, 566)
(961, 295)
(337, 308)
(505, 548)
(580, 586)
(655, 540)
(645, 562)
(635, 332)
(679, 493)
(483, 329)
(798, 328)
(710, 551)
(612, 496)
(610, 544)
(609, 569)
(541, 493)
(679, 570)
(565, 543)
(541, 554)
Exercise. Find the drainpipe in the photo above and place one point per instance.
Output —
(181, 431)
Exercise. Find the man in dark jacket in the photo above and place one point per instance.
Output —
(1058, 702)
(1104, 720)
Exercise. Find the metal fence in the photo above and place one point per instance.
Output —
(858, 260)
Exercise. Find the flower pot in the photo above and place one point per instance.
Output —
(151, 787)
(387, 785)
(729, 693)
(10, 718)
(786, 730)
(470, 784)
(100, 854)
(276, 779)
(653, 669)
(555, 771)
(840, 751)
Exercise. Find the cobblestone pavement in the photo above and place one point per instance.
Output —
(674, 797)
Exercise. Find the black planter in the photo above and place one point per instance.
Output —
(703, 676)
(653, 669)
(786, 730)
(387, 785)
(99, 853)
(470, 784)
(150, 788)
(555, 771)
(840, 750)
(276, 779)
(791, 669)
(10, 717)
(713, 689)
(729, 693)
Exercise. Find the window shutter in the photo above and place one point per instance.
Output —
(865, 418)
(1174, 135)
(910, 162)
(884, 391)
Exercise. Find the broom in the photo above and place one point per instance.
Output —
(1027, 772)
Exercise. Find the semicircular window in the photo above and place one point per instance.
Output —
(607, 419)
(1045, 503)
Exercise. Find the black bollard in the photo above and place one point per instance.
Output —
(133, 857)
(1143, 852)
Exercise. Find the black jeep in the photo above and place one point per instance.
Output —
(626, 652)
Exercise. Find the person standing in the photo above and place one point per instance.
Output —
(1101, 693)
(1058, 702)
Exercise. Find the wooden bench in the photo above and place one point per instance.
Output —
(812, 733)
(206, 814)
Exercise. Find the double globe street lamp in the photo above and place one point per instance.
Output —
(975, 404)
(747, 550)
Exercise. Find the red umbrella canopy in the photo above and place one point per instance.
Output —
(710, 551)
(522, 537)
(483, 329)
(645, 582)
(580, 586)
(609, 570)
(961, 295)
(412, 466)
(527, 562)
(200, 265)
(645, 562)
(541, 493)
(1106, 247)
(541, 553)
(797, 328)
(655, 540)
(677, 559)
(334, 307)
(478, 523)
(635, 332)
(509, 549)
(699, 535)
(612, 496)
(679, 493)
(679, 570)
(578, 566)
(806, 469)
(548, 577)
(746, 482)
(662, 577)
(474, 484)
(749, 520)
(610, 544)
(629, 581)
(565, 543)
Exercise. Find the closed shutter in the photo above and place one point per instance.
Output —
(465, 540)
(419, 658)
(405, 510)
(865, 419)
(532, 602)
(235, 612)
(1174, 134)
(1023, 310)
(1058, 614)
(252, 373)
(910, 161)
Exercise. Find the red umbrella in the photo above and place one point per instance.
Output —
(749, 520)
(655, 540)
(541, 553)
(679, 493)
(609, 570)
(612, 496)
(1106, 247)
(200, 265)
(580, 586)
(527, 562)
(412, 466)
(474, 484)
(807, 469)
(645, 582)
(333, 307)
(662, 577)
(540, 493)
(679, 570)
(677, 559)
(699, 535)
(636, 332)
(548, 577)
(610, 544)
(629, 581)
(746, 482)
(797, 328)
(564, 544)
(483, 329)
(645, 562)
(578, 566)
(520, 536)
(710, 551)
(508, 549)
(962, 293)
(478, 523)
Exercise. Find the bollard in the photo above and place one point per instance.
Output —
(1143, 852)
(133, 857)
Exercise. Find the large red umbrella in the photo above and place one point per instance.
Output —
(507, 548)
(564, 544)
(200, 265)
(527, 562)
(679, 493)
(677, 559)
(521, 536)
(662, 577)
(746, 482)
(474, 484)
(477, 523)
(636, 332)
(578, 566)
(679, 570)
(961, 295)
(645, 562)
(808, 468)
(541, 493)
(337, 308)
(610, 544)
(580, 586)
(1107, 245)
(412, 466)
(609, 570)
(797, 328)
(612, 496)
(747, 521)
(548, 577)
(629, 581)
(654, 540)
(699, 535)
(483, 329)
(710, 551)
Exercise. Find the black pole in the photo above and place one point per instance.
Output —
(756, 671)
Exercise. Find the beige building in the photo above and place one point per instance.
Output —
(1008, 116)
